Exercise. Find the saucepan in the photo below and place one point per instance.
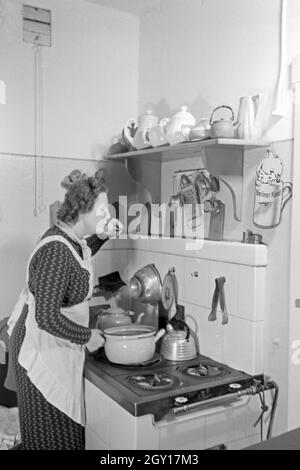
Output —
(131, 344)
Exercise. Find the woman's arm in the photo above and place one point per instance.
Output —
(51, 279)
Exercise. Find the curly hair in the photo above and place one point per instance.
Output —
(81, 196)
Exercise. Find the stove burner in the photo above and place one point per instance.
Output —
(204, 370)
(152, 381)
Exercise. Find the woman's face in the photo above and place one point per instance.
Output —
(96, 220)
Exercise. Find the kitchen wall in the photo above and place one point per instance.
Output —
(90, 78)
(89, 87)
(208, 53)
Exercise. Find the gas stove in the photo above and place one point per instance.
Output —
(158, 386)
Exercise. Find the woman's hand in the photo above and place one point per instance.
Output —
(111, 229)
(96, 341)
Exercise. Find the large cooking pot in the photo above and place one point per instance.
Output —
(131, 344)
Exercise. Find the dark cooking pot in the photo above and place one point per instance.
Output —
(131, 344)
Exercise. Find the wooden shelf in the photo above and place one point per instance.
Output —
(145, 165)
(177, 152)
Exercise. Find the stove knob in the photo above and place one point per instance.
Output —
(179, 401)
(234, 387)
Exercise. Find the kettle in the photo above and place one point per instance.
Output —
(178, 345)
(135, 132)
(223, 128)
(145, 285)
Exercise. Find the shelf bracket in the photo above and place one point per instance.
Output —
(147, 175)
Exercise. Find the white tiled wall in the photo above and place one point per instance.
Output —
(240, 342)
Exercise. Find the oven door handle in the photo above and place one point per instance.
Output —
(189, 415)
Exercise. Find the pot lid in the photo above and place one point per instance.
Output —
(185, 115)
(169, 291)
(130, 331)
(114, 311)
(148, 118)
(222, 120)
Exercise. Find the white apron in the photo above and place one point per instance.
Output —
(55, 365)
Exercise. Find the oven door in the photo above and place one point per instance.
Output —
(204, 427)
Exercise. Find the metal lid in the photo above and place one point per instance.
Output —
(169, 292)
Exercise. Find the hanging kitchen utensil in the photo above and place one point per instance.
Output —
(225, 318)
(205, 183)
(145, 285)
(192, 209)
(169, 293)
(219, 295)
(216, 223)
(175, 288)
(214, 183)
(187, 190)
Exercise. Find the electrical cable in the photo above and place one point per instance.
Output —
(42, 205)
(39, 205)
(36, 49)
(273, 408)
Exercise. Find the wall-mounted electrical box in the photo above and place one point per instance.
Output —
(36, 25)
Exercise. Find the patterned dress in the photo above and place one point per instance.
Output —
(56, 280)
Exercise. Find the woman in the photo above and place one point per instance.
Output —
(50, 336)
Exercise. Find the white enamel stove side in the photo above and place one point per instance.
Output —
(111, 427)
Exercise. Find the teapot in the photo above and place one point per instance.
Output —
(156, 136)
(135, 132)
(115, 316)
(223, 128)
(173, 127)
